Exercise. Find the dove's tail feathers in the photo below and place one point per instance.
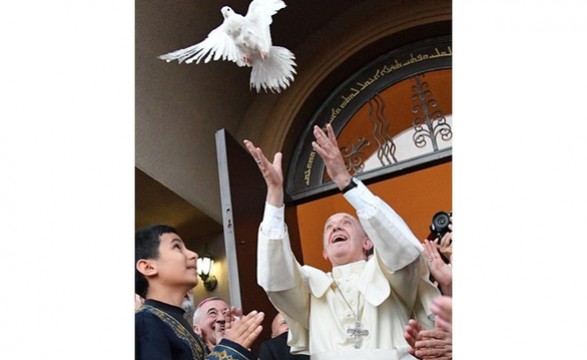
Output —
(191, 54)
(275, 72)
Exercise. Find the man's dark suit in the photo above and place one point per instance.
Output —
(277, 349)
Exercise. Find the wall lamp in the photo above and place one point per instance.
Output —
(204, 268)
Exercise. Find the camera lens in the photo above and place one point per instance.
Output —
(440, 225)
(440, 220)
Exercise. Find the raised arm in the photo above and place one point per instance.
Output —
(271, 172)
(278, 272)
(394, 241)
(327, 148)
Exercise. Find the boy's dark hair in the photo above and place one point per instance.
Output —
(147, 247)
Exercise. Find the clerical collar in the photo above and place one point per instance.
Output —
(348, 269)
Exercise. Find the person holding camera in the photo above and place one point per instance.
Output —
(441, 233)
(438, 251)
(436, 343)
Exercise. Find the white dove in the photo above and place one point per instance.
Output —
(246, 40)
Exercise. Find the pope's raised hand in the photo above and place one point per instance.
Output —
(326, 147)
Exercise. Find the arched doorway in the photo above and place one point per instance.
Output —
(393, 120)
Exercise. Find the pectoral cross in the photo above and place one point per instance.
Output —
(357, 333)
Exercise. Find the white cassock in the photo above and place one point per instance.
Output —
(381, 294)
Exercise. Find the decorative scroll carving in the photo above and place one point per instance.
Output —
(428, 122)
(381, 133)
(352, 155)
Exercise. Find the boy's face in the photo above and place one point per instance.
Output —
(176, 265)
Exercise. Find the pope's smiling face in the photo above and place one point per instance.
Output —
(345, 241)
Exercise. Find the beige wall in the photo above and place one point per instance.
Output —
(179, 107)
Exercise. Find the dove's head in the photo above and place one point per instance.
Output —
(226, 11)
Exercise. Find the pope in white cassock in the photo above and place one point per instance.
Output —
(360, 309)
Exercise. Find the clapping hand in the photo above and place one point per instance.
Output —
(441, 271)
(244, 330)
(428, 344)
(442, 308)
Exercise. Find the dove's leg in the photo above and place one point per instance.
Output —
(247, 60)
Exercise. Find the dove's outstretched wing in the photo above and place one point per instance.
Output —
(261, 11)
(217, 45)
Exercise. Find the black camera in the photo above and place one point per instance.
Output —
(440, 222)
